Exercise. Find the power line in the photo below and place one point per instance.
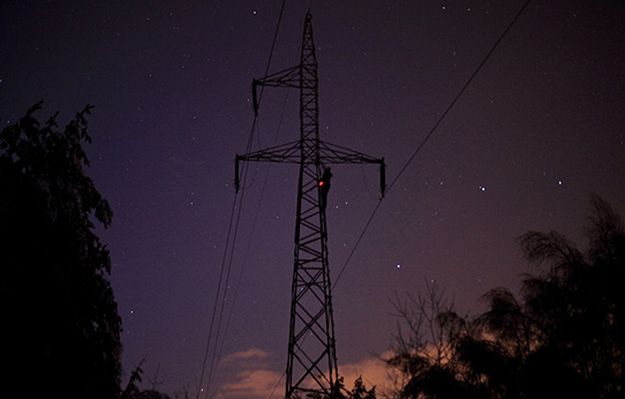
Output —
(228, 256)
(214, 357)
(218, 347)
(219, 284)
(429, 135)
(253, 228)
(276, 385)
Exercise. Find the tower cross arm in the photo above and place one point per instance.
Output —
(289, 77)
(283, 153)
(335, 154)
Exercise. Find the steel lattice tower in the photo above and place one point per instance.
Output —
(311, 362)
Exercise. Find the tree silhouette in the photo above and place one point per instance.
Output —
(60, 322)
(133, 391)
(564, 338)
(360, 391)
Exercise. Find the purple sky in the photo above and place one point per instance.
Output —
(541, 127)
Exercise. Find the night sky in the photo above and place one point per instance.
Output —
(540, 128)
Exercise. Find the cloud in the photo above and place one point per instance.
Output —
(247, 355)
(373, 370)
(252, 384)
(249, 375)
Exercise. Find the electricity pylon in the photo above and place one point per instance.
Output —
(311, 362)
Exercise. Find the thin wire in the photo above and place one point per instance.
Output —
(215, 357)
(460, 93)
(274, 40)
(429, 135)
(254, 223)
(226, 259)
(353, 251)
(276, 385)
(365, 183)
(226, 264)
(219, 285)
(255, 218)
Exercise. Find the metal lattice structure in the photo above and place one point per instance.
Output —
(311, 362)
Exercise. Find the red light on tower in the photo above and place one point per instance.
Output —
(321, 183)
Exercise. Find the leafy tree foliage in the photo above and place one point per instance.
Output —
(565, 337)
(61, 328)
